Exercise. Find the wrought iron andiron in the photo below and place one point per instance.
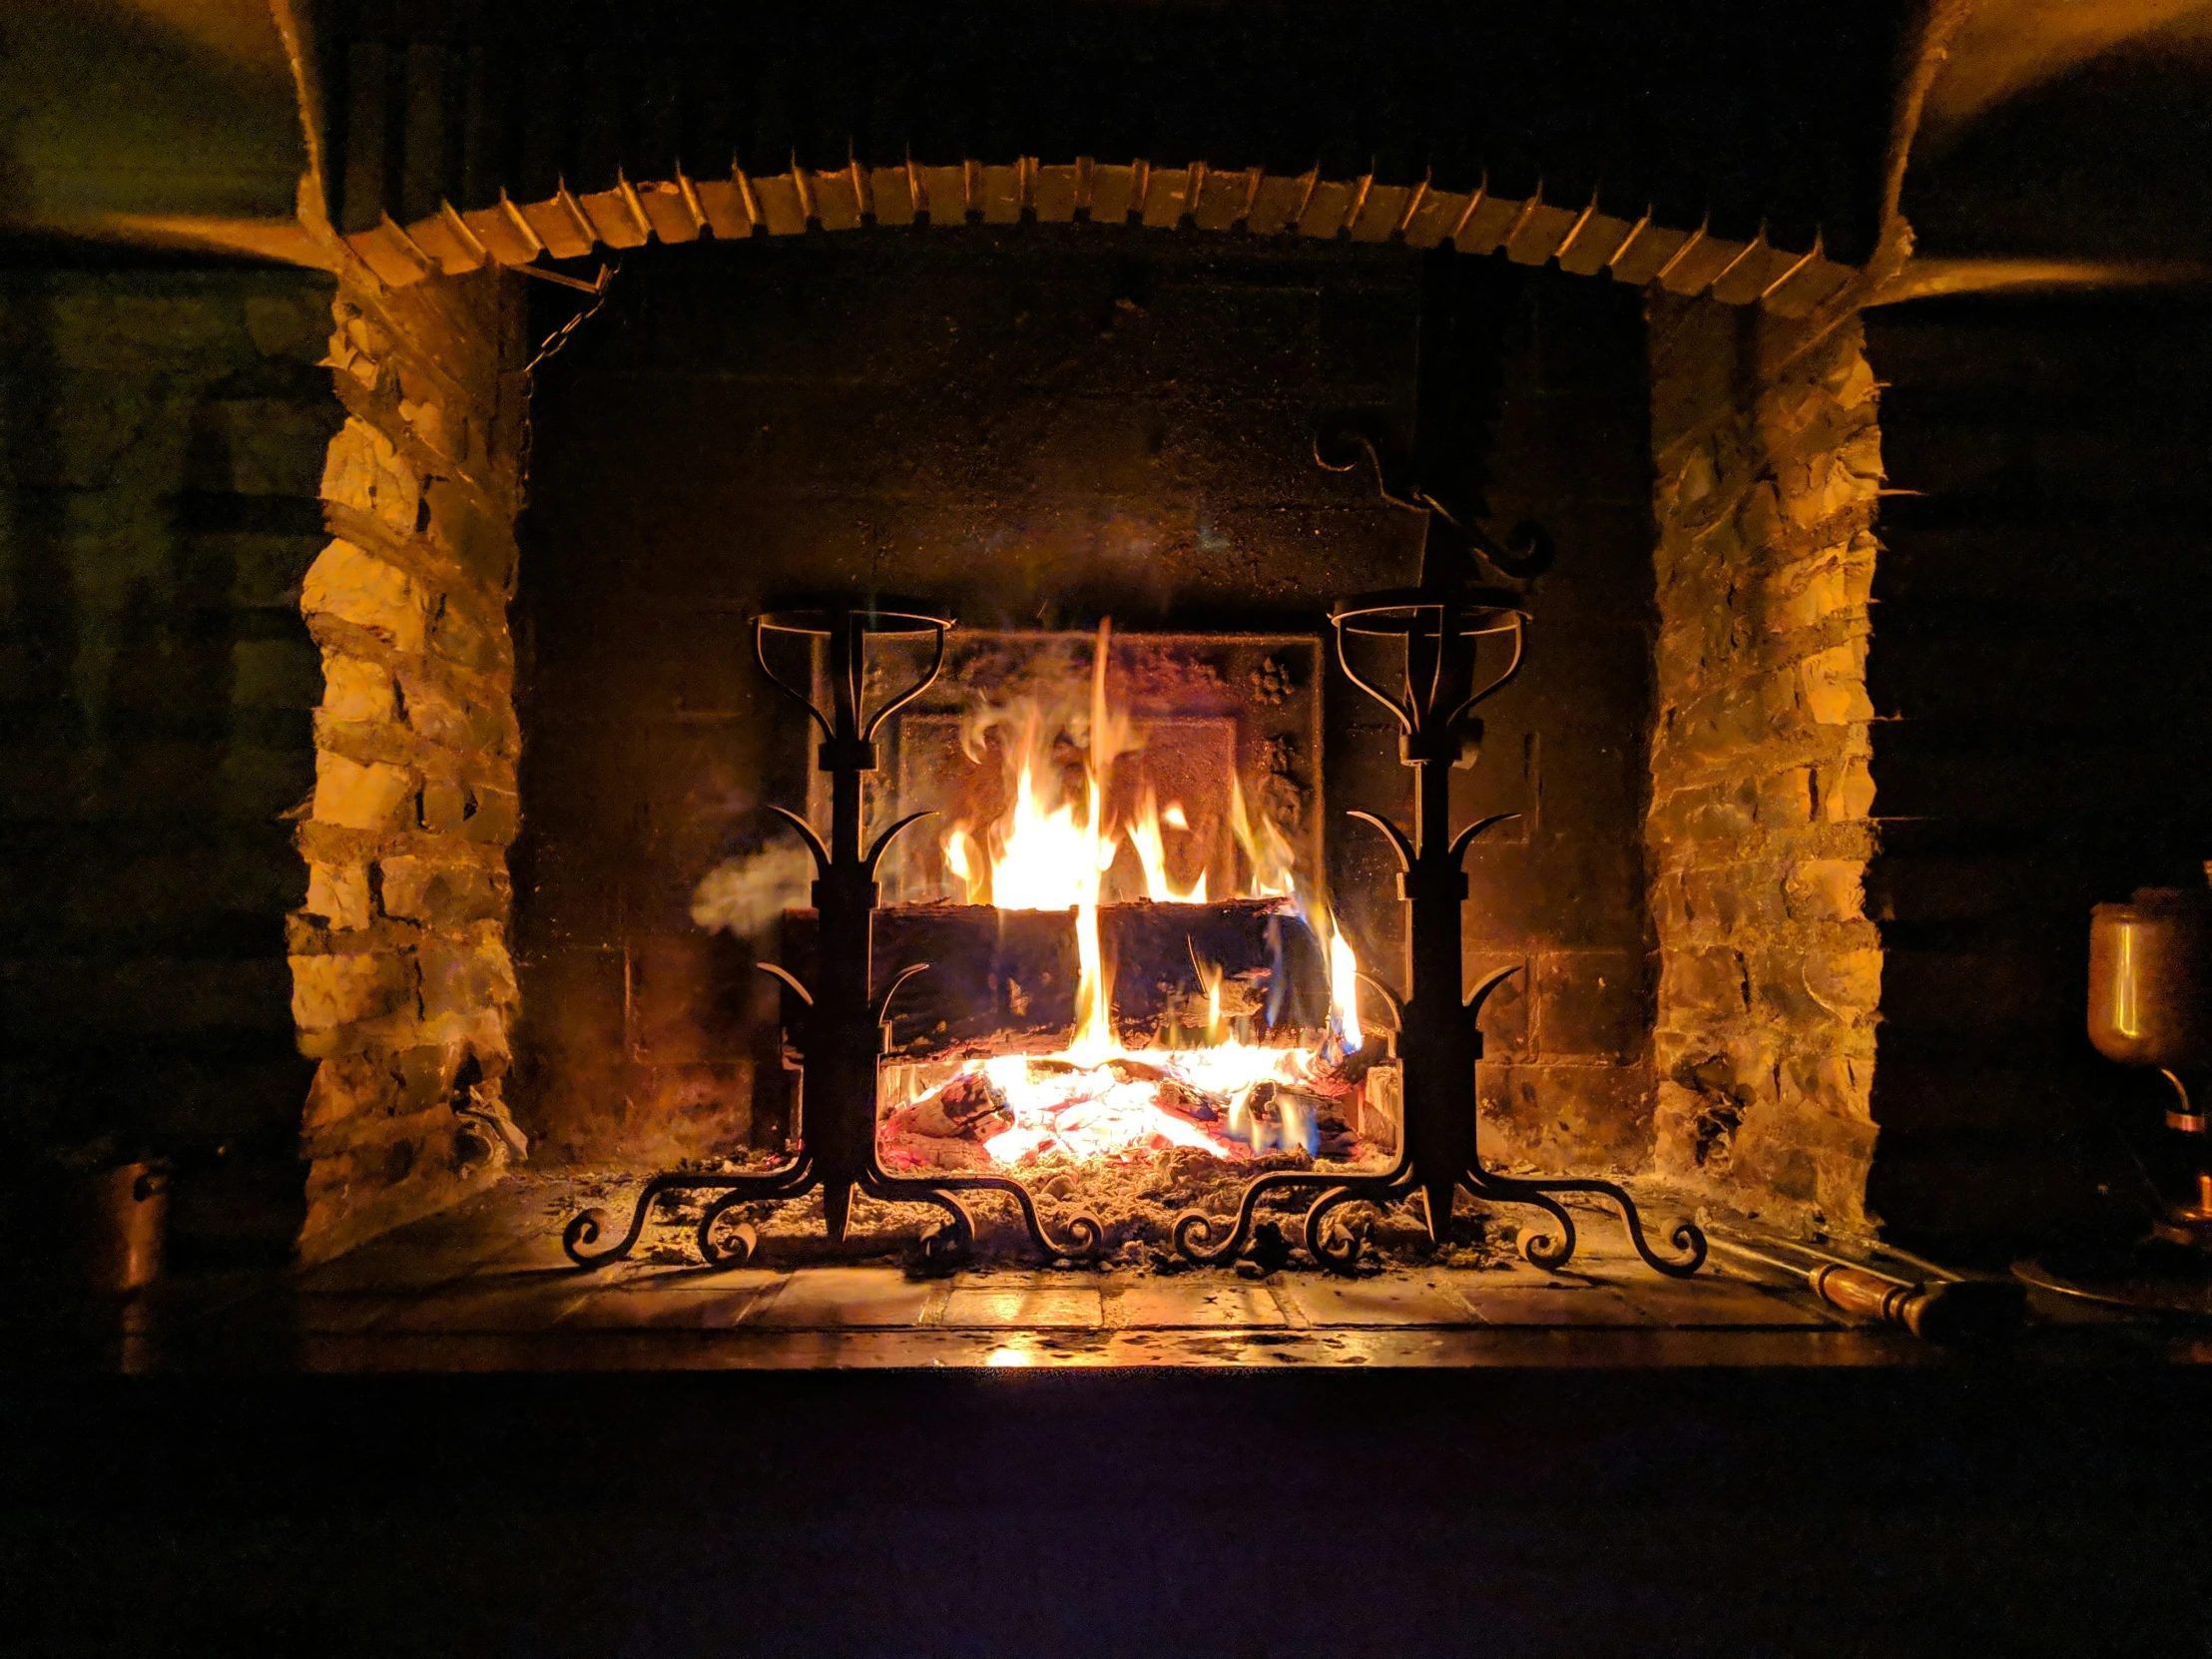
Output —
(1444, 625)
(842, 1035)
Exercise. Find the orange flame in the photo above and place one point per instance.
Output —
(1045, 852)
(1268, 854)
(1152, 853)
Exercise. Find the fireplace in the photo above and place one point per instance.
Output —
(1139, 431)
(1136, 469)
(1320, 693)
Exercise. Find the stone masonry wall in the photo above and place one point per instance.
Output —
(402, 989)
(1767, 467)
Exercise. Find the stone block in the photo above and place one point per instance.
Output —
(1807, 593)
(335, 990)
(689, 998)
(358, 797)
(1808, 1161)
(1758, 520)
(1709, 817)
(1847, 792)
(356, 690)
(1693, 1133)
(490, 816)
(1850, 378)
(1829, 1085)
(444, 805)
(347, 1087)
(1826, 890)
(427, 422)
(366, 472)
(1778, 994)
(439, 895)
(1505, 1016)
(339, 894)
(450, 719)
(1591, 1004)
(358, 345)
(1786, 799)
(1571, 1117)
(359, 588)
(1846, 982)
(460, 638)
(1714, 980)
(1834, 684)
(465, 979)
(482, 543)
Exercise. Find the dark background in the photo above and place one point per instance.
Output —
(1936, 1509)
(2041, 670)
(163, 422)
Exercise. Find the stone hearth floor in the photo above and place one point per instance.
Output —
(487, 1288)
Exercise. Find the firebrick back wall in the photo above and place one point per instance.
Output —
(1043, 427)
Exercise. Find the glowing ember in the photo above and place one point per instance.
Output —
(1231, 1101)
(1095, 1099)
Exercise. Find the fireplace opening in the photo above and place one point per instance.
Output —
(1141, 900)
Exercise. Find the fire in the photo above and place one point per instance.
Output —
(1050, 849)
(1266, 853)
(1344, 989)
(1152, 853)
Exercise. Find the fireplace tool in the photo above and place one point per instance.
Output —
(1937, 1306)
(1443, 626)
(841, 1031)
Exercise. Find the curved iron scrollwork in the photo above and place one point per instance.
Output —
(587, 1228)
(841, 1031)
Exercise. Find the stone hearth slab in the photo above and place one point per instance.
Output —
(1038, 1307)
(840, 1299)
(1712, 1300)
(712, 1307)
(1186, 1305)
(1553, 1305)
(1400, 1299)
(476, 1307)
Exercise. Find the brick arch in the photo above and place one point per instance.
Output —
(1583, 240)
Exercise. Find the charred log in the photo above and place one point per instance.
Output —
(1004, 981)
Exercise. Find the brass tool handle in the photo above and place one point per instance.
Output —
(1870, 1296)
(1951, 1311)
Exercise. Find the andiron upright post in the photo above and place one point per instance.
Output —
(841, 1032)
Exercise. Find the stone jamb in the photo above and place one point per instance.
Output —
(402, 988)
(1769, 467)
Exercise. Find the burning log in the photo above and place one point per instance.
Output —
(1004, 981)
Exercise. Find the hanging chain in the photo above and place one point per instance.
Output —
(553, 343)
(552, 347)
